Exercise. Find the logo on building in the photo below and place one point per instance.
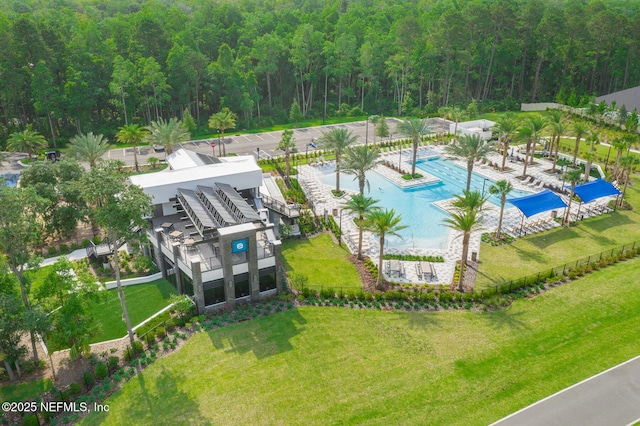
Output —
(238, 246)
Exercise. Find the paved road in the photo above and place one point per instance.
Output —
(610, 398)
(248, 143)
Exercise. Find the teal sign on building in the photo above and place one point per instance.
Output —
(238, 246)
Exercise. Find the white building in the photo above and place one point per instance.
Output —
(212, 228)
(481, 127)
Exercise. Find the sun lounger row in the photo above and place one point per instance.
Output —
(532, 227)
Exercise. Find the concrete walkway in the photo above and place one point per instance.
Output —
(610, 398)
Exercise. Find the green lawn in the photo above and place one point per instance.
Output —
(322, 261)
(24, 391)
(322, 366)
(542, 251)
(143, 300)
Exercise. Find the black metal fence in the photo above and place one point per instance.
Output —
(557, 273)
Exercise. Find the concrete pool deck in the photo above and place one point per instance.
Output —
(322, 200)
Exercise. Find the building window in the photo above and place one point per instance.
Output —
(171, 271)
(187, 284)
(241, 282)
(213, 292)
(268, 279)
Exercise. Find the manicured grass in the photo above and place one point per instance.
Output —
(143, 300)
(542, 251)
(24, 391)
(322, 261)
(340, 366)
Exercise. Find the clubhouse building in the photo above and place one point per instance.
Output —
(214, 226)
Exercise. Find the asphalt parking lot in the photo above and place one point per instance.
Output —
(246, 144)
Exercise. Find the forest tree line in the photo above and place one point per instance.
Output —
(77, 66)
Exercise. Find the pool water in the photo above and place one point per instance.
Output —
(10, 179)
(424, 221)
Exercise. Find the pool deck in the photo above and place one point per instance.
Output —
(321, 199)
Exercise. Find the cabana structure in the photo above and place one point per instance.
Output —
(537, 203)
(594, 190)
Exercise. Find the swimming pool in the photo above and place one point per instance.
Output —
(10, 179)
(425, 228)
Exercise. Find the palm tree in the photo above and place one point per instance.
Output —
(415, 129)
(222, 121)
(537, 125)
(374, 119)
(471, 148)
(167, 134)
(444, 113)
(29, 141)
(525, 134)
(621, 145)
(133, 134)
(465, 221)
(580, 128)
(555, 118)
(358, 161)
(557, 130)
(383, 223)
(573, 177)
(337, 140)
(89, 148)
(501, 188)
(456, 115)
(505, 127)
(470, 200)
(361, 206)
(288, 145)
(593, 139)
(627, 164)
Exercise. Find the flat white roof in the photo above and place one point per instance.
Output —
(230, 230)
(241, 173)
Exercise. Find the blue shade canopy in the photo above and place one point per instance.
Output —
(595, 189)
(538, 203)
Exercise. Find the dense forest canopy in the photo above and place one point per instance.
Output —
(71, 66)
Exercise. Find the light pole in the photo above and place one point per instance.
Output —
(606, 162)
(484, 182)
(340, 228)
(366, 132)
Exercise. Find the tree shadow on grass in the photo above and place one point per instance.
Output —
(420, 320)
(545, 240)
(165, 404)
(264, 336)
(535, 255)
(504, 317)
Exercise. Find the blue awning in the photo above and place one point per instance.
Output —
(595, 189)
(538, 203)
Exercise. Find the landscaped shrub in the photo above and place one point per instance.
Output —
(161, 332)
(30, 420)
(88, 379)
(445, 296)
(153, 323)
(74, 389)
(101, 370)
(137, 347)
(150, 338)
(113, 363)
